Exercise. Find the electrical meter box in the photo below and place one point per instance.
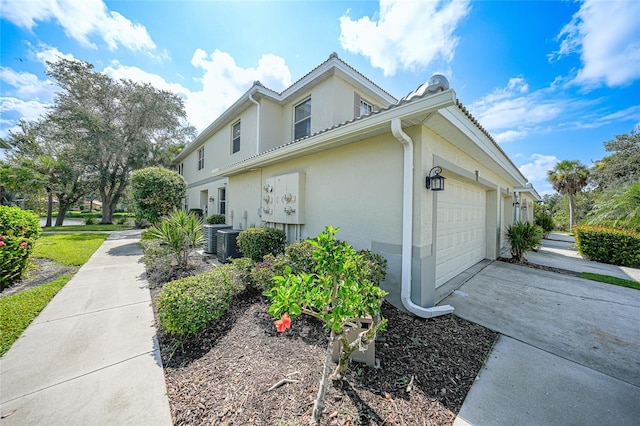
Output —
(283, 199)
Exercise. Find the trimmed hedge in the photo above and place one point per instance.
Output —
(256, 243)
(188, 305)
(608, 245)
(216, 219)
(19, 229)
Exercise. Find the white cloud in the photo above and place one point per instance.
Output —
(538, 166)
(45, 53)
(606, 34)
(409, 34)
(513, 112)
(27, 110)
(27, 85)
(223, 82)
(118, 71)
(81, 20)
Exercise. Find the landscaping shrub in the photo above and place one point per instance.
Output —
(608, 245)
(19, 229)
(188, 305)
(197, 213)
(522, 237)
(255, 243)
(156, 192)
(216, 219)
(545, 222)
(90, 219)
(299, 258)
(182, 232)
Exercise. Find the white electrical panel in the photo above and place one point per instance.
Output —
(268, 200)
(283, 199)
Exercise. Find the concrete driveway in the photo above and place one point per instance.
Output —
(569, 351)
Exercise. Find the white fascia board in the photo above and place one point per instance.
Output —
(529, 189)
(462, 122)
(358, 130)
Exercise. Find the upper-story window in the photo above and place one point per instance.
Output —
(201, 158)
(181, 169)
(235, 138)
(302, 120)
(365, 107)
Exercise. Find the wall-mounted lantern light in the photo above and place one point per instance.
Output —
(524, 207)
(434, 181)
(211, 199)
(516, 203)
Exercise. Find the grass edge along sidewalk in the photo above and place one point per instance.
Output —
(19, 310)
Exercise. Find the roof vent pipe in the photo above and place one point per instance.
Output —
(407, 228)
(257, 122)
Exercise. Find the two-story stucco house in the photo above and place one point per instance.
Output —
(336, 149)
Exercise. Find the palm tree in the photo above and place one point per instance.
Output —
(569, 177)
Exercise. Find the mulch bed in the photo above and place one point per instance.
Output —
(426, 368)
(41, 271)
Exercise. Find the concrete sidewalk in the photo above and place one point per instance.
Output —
(569, 350)
(91, 356)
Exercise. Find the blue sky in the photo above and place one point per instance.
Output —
(550, 80)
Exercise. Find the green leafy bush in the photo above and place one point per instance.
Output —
(522, 237)
(188, 305)
(216, 219)
(608, 245)
(19, 229)
(90, 219)
(255, 243)
(545, 222)
(182, 232)
(156, 192)
(299, 258)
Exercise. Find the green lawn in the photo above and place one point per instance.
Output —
(68, 249)
(75, 228)
(17, 311)
(611, 280)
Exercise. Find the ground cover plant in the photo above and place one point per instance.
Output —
(610, 280)
(68, 249)
(17, 311)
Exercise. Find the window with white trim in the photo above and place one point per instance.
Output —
(365, 108)
(235, 138)
(302, 120)
(222, 200)
(201, 158)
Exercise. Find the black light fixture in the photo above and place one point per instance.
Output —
(434, 181)
(516, 203)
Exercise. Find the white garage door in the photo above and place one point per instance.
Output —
(461, 229)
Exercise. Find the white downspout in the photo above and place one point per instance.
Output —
(257, 123)
(407, 228)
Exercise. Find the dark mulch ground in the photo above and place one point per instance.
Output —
(426, 368)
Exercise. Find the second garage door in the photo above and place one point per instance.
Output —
(461, 235)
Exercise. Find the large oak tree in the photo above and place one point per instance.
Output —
(116, 126)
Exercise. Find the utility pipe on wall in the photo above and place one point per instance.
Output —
(407, 228)
(257, 122)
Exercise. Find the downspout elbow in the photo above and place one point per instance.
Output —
(407, 228)
(257, 122)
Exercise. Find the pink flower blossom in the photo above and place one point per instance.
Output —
(1, 243)
(23, 244)
(283, 323)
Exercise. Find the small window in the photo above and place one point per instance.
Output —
(201, 158)
(302, 120)
(365, 108)
(235, 138)
(181, 169)
(222, 201)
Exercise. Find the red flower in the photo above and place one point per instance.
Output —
(283, 323)
(23, 244)
(1, 243)
(2, 237)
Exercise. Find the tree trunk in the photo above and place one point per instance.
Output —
(49, 208)
(63, 206)
(318, 405)
(571, 208)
